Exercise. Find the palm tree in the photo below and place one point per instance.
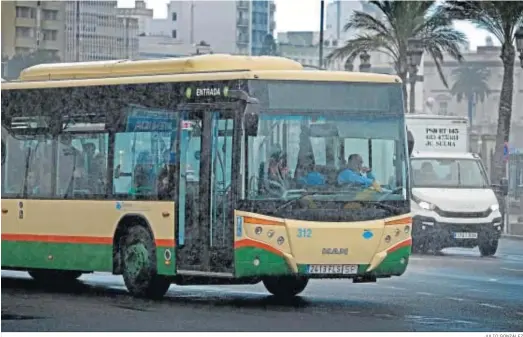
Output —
(501, 19)
(269, 46)
(471, 83)
(396, 22)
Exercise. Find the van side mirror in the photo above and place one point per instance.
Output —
(410, 142)
(504, 186)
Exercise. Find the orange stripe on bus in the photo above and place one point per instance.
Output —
(165, 242)
(401, 244)
(256, 244)
(402, 221)
(255, 221)
(93, 240)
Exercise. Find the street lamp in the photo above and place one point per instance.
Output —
(414, 54)
(364, 62)
(348, 65)
(519, 44)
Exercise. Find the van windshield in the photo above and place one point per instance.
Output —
(448, 173)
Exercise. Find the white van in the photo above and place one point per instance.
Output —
(453, 203)
(452, 200)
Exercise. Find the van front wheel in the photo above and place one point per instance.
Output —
(488, 247)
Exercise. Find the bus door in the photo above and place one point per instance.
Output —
(205, 200)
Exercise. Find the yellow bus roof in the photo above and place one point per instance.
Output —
(119, 68)
(198, 68)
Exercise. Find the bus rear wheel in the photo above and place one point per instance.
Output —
(285, 286)
(55, 277)
(139, 265)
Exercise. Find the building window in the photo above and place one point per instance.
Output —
(24, 32)
(173, 33)
(174, 16)
(25, 12)
(50, 35)
(49, 14)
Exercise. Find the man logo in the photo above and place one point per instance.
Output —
(335, 251)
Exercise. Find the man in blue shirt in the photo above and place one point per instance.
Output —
(353, 174)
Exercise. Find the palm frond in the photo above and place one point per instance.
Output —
(359, 44)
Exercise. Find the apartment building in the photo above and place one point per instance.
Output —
(98, 30)
(236, 27)
(28, 26)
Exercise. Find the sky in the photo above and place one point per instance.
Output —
(308, 18)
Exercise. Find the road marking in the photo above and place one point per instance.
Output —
(488, 305)
(455, 299)
(493, 280)
(519, 313)
(510, 269)
(424, 293)
(393, 287)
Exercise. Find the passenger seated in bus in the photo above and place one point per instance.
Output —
(353, 174)
(144, 176)
(166, 176)
(277, 173)
(311, 177)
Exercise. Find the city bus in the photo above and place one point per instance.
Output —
(196, 171)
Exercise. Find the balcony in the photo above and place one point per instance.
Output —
(242, 40)
(243, 4)
(242, 22)
(272, 7)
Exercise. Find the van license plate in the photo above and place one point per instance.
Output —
(465, 235)
(344, 269)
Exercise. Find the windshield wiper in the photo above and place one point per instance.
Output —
(377, 204)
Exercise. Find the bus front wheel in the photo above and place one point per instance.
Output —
(139, 265)
(285, 286)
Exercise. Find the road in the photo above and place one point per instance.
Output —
(458, 291)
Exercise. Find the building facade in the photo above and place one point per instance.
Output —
(97, 30)
(28, 26)
(235, 27)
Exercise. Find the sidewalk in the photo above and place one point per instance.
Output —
(515, 229)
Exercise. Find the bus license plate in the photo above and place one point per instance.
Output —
(345, 269)
(465, 235)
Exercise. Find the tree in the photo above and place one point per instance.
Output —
(396, 22)
(471, 83)
(19, 62)
(501, 19)
(269, 46)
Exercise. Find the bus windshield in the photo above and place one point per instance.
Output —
(325, 155)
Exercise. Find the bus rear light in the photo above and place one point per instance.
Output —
(407, 229)
(270, 233)
(258, 230)
(387, 239)
(256, 262)
(280, 240)
(397, 232)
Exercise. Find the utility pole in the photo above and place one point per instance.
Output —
(322, 16)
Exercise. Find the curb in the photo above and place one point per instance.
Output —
(512, 236)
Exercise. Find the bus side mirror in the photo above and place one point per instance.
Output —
(504, 186)
(251, 117)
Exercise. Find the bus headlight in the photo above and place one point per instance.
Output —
(494, 207)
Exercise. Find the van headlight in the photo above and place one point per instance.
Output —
(426, 205)
(494, 207)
